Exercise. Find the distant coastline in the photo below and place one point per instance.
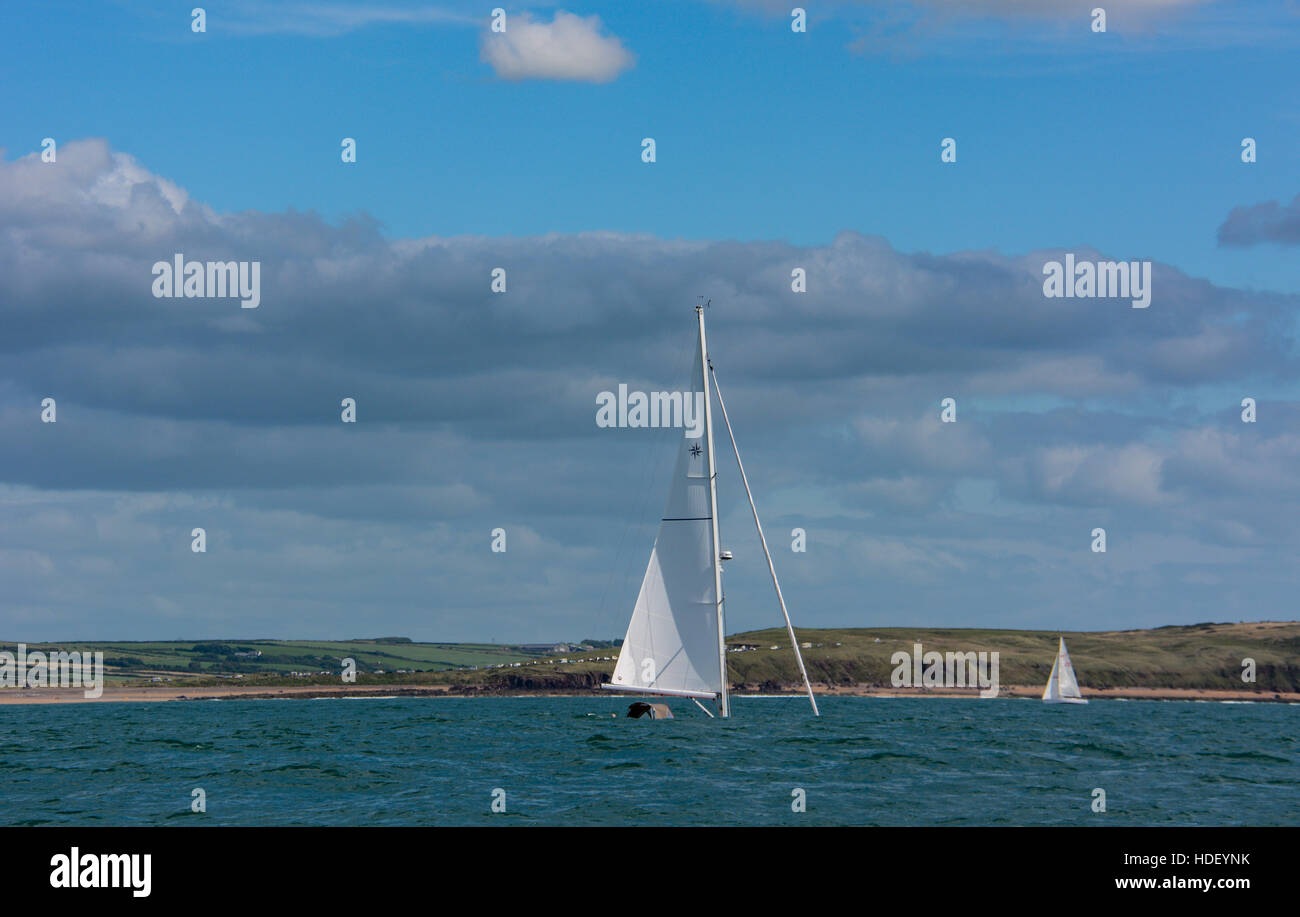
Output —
(149, 694)
(1211, 662)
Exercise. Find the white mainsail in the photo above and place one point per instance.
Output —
(1062, 686)
(671, 645)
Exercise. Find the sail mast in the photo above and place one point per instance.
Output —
(724, 706)
(794, 641)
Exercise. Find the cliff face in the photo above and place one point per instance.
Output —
(548, 681)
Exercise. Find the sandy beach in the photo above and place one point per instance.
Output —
(155, 694)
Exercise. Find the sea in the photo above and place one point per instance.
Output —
(579, 761)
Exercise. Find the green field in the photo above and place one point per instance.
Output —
(129, 661)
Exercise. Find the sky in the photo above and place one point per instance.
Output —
(523, 150)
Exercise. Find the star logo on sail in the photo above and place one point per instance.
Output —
(695, 450)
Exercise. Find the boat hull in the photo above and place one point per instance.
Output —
(1064, 700)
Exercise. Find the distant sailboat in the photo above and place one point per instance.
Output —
(1062, 686)
(676, 641)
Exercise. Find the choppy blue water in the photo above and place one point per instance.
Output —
(867, 761)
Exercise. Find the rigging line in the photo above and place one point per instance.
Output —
(794, 641)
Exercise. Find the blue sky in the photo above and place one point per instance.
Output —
(1127, 141)
(775, 150)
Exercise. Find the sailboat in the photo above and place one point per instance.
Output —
(676, 643)
(1062, 686)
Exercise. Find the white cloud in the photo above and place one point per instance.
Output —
(1100, 474)
(568, 48)
(89, 175)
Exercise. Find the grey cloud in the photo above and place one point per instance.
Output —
(477, 410)
(1255, 224)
